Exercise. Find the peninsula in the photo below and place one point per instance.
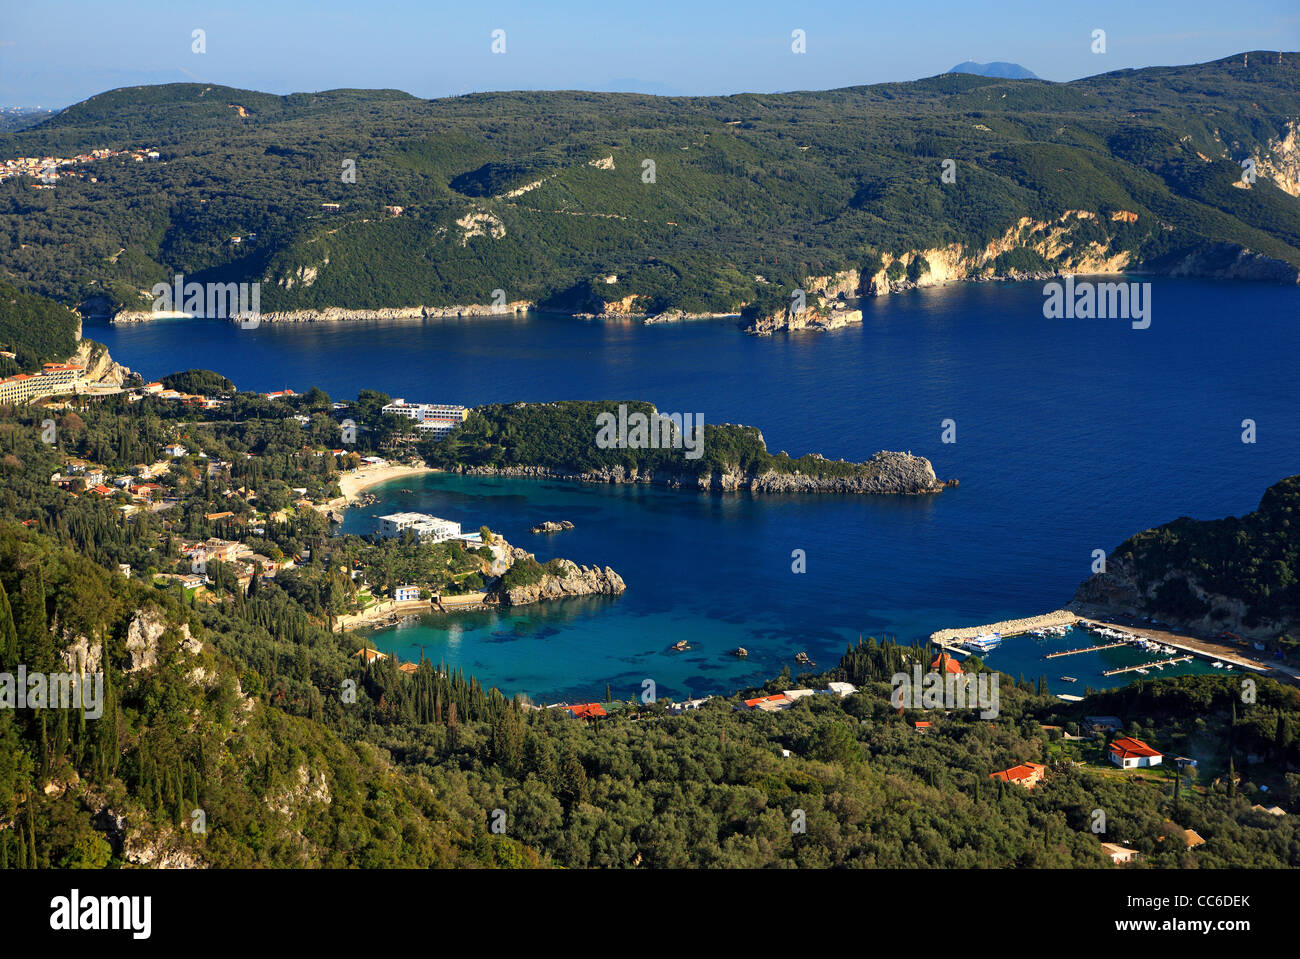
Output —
(561, 441)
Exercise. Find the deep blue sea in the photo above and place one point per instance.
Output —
(1070, 436)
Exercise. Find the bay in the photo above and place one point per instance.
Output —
(1071, 436)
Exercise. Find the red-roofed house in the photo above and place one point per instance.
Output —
(779, 701)
(947, 664)
(586, 710)
(1028, 775)
(1129, 753)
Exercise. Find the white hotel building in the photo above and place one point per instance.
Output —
(435, 419)
(424, 526)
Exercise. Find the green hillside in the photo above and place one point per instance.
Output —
(779, 186)
(35, 329)
(241, 703)
(1237, 572)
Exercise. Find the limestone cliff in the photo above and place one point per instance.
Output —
(1056, 245)
(820, 317)
(101, 369)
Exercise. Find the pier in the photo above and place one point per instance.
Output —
(1011, 627)
(1087, 649)
(1161, 662)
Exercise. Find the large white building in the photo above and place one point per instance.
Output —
(423, 525)
(435, 419)
(53, 379)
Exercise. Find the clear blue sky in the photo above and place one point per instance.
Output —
(56, 53)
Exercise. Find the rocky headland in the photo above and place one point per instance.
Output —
(886, 472)
(527, 581)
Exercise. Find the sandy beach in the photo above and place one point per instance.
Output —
(354, 483)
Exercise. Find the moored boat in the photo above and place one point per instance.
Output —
(983, 643)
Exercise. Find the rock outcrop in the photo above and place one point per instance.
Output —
(101, 369)
(144, 635)
(820, 318)
(550, 526)
(570, 580)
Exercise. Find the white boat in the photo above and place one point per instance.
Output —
(1216, 664)
(1143, 672)
(983, 643)
(1168, 649)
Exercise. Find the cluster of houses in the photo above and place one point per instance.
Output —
(158, 391)
(79, 476)
(48, 169)
(243, 561)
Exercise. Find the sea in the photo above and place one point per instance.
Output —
(1067, 436)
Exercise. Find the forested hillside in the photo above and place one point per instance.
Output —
(238, 710)
(549, 197)
(1233, 573)
(35, 329)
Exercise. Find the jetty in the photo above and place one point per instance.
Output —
(1011, 627)
(1159, 662)
(1088, 649)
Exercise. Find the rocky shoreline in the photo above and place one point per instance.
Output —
(340, 314)
(943, 265)
(892, 473)
(573, 580)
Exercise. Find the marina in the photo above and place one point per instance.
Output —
(1119, 648)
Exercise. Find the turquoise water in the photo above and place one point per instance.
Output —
(715, 570)
(1071, 436)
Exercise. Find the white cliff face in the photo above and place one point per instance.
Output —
(480, 223)
(101, 369)
(1281, 162)
(1048, 238)
(144, 635)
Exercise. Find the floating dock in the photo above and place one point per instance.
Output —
(1088, 649)
(1159, 662)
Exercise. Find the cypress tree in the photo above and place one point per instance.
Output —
(32, 861)
(8, 632)
(33, 628)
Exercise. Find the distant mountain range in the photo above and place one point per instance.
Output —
(998, 68)
(631, 203)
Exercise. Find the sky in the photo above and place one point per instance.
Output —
(53, 54)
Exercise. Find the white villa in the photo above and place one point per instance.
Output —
(425, 527)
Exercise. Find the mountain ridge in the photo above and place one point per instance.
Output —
(547, 196)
